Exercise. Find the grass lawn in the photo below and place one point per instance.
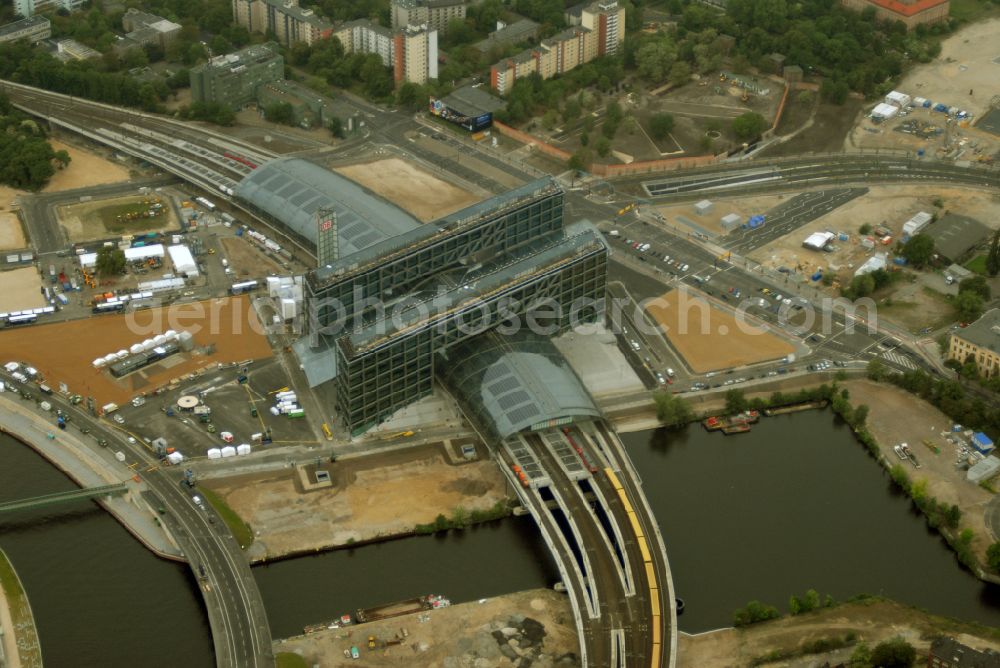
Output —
(971, 10)
(977, 265)
(241, 530)
(289, 660)
(109, 216)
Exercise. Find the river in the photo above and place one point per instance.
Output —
(795, 504)
(99, 597)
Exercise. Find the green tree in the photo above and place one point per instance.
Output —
(895, 653)
(336, 127)
(660, 126)
(110, 261)
(968, 306)
(550, 119)
(736, 401)
(861, 657)
(919, 250)
(571, 111)
(579, 160)
(993, 258)
(865, 229)
(861, 286)
(976, 284)
(408, 97)
(680, 73)
(993, 556)
(811, 600)
(749, 125)
(794, 605)
(754, 612)
(672, 410)
(280, 112)
(655, 58)
(603, 147)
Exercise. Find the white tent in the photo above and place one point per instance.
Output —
(99, 362)
(88, 260)
(183, 260)
(818, 240)
(175, 458)
(214, 453)
(897, 98)
(135, 348)
(884, 111)
(243, 449)
(874, 263)
(229, 451)
(143, 252)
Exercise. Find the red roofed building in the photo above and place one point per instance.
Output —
(910, 12)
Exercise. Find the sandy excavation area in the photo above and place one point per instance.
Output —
(709, 338)
(11, 233)
(966, 64)
(404, 184)
(890, 206)
(744, 207)
(532, 627)
(21, 290)
(372, 496)
(63, 351)
(85, 169)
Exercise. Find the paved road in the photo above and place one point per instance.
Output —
(235, 609)
(789, 216)
(39, 210)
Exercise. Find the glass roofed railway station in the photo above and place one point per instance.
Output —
(392, 297)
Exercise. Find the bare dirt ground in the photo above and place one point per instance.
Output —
(82, 222)
(409, 187)
(374, 496)
(966, 64)
(246, 260)
(870, 622)
(709, 338)
(898, 417)
(85, 169)
(63, 351)
(890, 206)
(21, 290)
(536, 624)
(11, 233)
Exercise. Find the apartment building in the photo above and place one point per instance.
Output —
(289, 22)
(600, 32)
(980, 340)
(434, 13)
(233, 79)
(27, 8)
(911, 12)
(33, 29)
(145, 28)
(411, 52)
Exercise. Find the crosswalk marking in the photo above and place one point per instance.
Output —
(901, 360)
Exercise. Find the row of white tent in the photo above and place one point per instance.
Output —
(135, 349)
(229, 451)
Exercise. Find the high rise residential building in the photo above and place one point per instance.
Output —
(600, 33)
(27, 8)
(436, 14)
(283, 18)
(411, 52)
(233, 79)
(910, 12)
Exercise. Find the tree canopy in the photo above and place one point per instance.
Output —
(660, 126)
(110, 261)
(749, 125)
(919, 250)
(27, 160)
(672, 410)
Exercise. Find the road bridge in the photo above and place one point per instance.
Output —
(63, 497)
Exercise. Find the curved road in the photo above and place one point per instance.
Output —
(236, 612)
